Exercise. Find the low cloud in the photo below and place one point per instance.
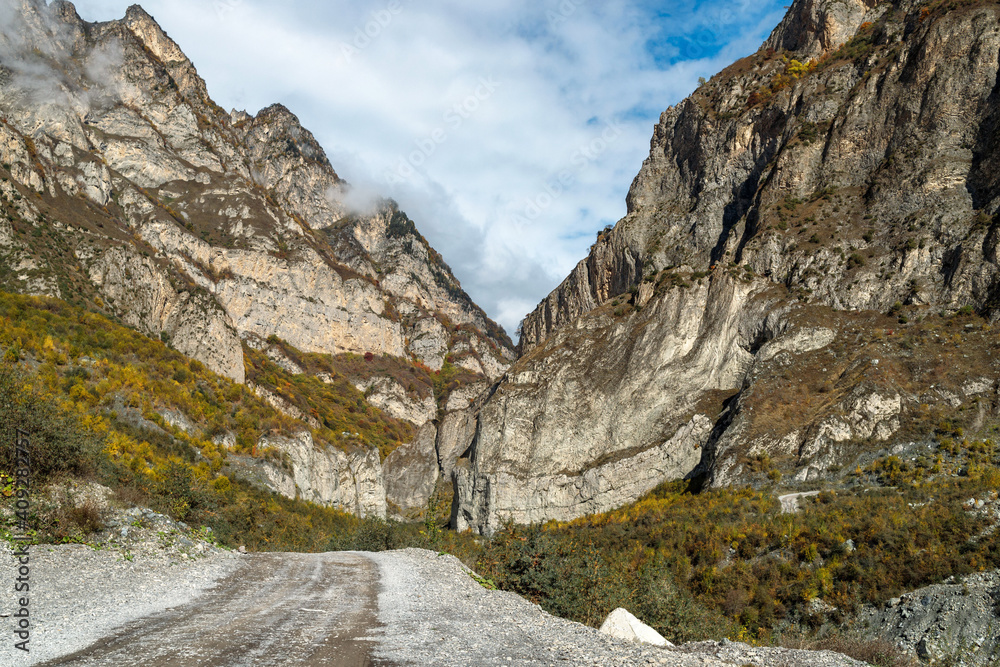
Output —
(36, 47)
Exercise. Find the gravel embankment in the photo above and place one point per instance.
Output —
(434, 613)
(958, 619)
(79, 594)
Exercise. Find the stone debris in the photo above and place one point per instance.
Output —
(472, 625)
(958, 620)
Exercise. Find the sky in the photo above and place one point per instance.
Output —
(508, 130)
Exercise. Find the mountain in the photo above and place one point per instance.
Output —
(807, 276)
(125, 190)
(198, 223)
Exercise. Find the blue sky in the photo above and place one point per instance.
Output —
(509, 130)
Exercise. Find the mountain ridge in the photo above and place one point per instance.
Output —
(151, 122)
(794, 199)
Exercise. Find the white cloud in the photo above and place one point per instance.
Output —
(485, 103)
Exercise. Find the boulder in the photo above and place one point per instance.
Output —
(623, 625)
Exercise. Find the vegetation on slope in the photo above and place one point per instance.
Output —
(728, 561)
(89, 392)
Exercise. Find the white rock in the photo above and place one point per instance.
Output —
(350, 481)
(798, 341)
(623, 625)
(388, 395)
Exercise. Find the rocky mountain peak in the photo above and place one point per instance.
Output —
(65, 9)
(812, 27)
(153, 36)
(197, 225)
(276, 133)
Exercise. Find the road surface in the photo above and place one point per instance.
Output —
(409, 608)
(279, 609)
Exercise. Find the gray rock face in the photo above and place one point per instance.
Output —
(455, 437)
(813, 27)
(392, 398)
(599, 415)
(203, 225)
(721, 170)
(411, 473)
(196, 324)
(779, 204)
(957, 620)
(352, 482)
(486, 498)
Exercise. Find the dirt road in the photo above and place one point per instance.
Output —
(392, 609)
(279, 609)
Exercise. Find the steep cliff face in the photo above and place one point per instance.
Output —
(349, 481)
(800, 226)
(879, 142)
(126, 187)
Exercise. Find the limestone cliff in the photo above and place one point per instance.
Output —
(127, 188)
(349, 481)
(809, 227)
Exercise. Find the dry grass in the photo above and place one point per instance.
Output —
(86, 517)
(874, 353)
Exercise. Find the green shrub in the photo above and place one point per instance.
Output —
(58, 443)
(728, 562)
(582, 580)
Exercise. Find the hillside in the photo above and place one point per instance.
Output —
(126, 188)
(807, 276)
(105, 403)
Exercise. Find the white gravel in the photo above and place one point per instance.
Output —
(434, 613)
(79, 594)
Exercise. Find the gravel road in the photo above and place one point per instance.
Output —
(277, 609)
(79, 594)
(391, 609)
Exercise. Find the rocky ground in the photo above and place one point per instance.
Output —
(959, 619)
(434, 612)
(144, 563)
